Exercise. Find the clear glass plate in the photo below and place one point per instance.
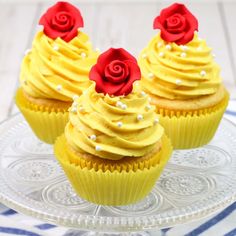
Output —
(195, 184)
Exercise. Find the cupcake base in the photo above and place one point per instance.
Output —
(46, 122)
(112, 186)
(192, 129)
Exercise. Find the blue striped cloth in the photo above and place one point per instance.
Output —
(224, 223)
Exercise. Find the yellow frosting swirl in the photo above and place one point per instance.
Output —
(55, 69)
(113, 127)
(180, 72)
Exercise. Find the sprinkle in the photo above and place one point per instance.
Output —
(150, 75)
(123, 106)
(199, 48)
(178, 81)
(55, 47)
(144, 56)
(74, 109)
(83, 54)
(159, 44)
(156, 120)
(75, 97)
(59, 87)
(183, 54)
(184, 48)
(139, 117)
(119, 103)
(161, 54)
(168, 47)
(148, 107)
(98, 148)
(27, 51)
(143, 94)
(203, 73)
(119, 124)
(25, 82)
(93, 137)
(81, 109)
(74, 104)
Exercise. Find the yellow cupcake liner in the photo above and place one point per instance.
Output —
(46, 124)
(112, 187)
(192, 129)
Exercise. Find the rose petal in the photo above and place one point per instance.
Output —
(135, 74)
(56, 29)
(103, 86)
(113, 54)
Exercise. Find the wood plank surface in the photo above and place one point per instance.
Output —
(15, 30)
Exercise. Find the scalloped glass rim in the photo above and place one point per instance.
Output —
(27, 206)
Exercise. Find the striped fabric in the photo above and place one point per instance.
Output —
(223, 223)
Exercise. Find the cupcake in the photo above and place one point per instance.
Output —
(183, 80)
(55, 71)
(113, 149)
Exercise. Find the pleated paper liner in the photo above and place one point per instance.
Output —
(46, 122)
(112, 185)
(191, 129)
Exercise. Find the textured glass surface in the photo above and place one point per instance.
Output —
(196, 183)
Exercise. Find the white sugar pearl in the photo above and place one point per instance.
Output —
(184, 47)
(150, 75)
(178, 81)
(74, 109)
(148, 107)
(98, 148)
(183, 54)
(159, 44)
(83, 54)
(156, 120)
(74, 104)
(161, 54)
(81, 110)
(144, 56)
(59, 87)
(27, 51)
(139, 117)
(56, 47)
(75, 97)
(199, 48)
(119, 103)
(123, 106)
(203, 73)
(97, 49)
(214, 55)
(119, 124)
(168, 47)
(149, 99)
(93, 137)
(143, 94)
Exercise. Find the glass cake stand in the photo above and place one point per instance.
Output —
(195, 184)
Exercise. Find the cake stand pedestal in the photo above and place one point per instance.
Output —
(195, 184)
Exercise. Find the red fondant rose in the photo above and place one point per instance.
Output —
(115, 72)
(62, 20)
(176, 23)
